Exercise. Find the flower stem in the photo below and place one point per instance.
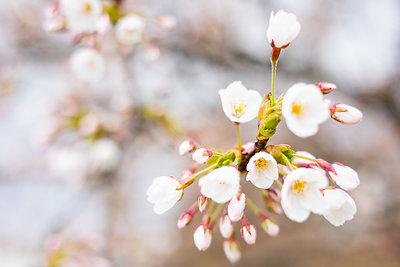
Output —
(217, 212)
(238, 135)
(274, 63)
(302, 157)
(278, 183)
(288, 163)
(193, 178)
(211, 208)
(253, 206)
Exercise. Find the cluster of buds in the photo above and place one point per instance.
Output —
(292, 183)
(88, 21)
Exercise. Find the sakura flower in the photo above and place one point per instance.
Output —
(202, 237)
(270, 227)
(88, 65)
(341, 206)
(239, 104)
(186, 147)
(304, 109)
(344, 176)
(249, 234)
(236, 207)
(164, 192)
(301, 193)
(247, 148)
(232, 250)
(83, 16)
(225, 226)
(346, 114)
(262, 170)
(201, 155)
(129, 30)
(283, 28)
(221, 185)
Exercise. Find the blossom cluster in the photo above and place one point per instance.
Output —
(90, 21)
(294, 183)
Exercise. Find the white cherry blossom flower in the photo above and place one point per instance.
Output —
(304, 109)
(88, 65)
(283, 28)
(341, 206)
(345, 177)
(221, 185)
(225, 226)
(236, 207)
(262, 170)
(186, 147)
(129, 29)
(202, 237)
(83, 16)
(301, 193)
(270, 227)
(164, 193)
(346, 114)
(201, 155)
(232, 250)
(249, 234)
(239, 104)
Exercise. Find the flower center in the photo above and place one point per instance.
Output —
(261, 164)
(222, 182)
(298, 187)
(87, 8)
(298, 109)
(238, 109)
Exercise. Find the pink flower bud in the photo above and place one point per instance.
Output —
(202, 237)
(225, 226)
(249, 234)
(326, 88)
(247, 148)
(346, 114)
(201, 155)
(202, 203)
(232, 250)
(186, 147)
(270, 227)
(344, 176)
(236, 207)
(184, 220)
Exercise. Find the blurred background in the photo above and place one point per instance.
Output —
(59, 190)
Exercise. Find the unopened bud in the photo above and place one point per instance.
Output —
(232, 250)
(201, 155)
(346, 114)
(326, 87)
(270, 227)
(344, 176)
(202, 203)
(249, 234)
(225, 226)
(202, 237)
(184, 220)
(247, 148)
(236, 207)
(186, 147)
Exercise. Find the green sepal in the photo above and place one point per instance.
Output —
(226, 160)
(281, 152)
(113, 13)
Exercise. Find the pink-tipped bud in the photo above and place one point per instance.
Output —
(236, 207)
(186, 147)
(202, 203)
(202, 237)
(344, 176)
(232, 250)
(346, 114)
(249, 234)
(270, 227)
(272, 201)
(201, 155)
(326, 88)
(247, 148)
(184, 220)
(225, 226)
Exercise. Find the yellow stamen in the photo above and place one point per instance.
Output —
(261, 164)
(298, 109)
(298, 187)
(238, 108)
(87, 8)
